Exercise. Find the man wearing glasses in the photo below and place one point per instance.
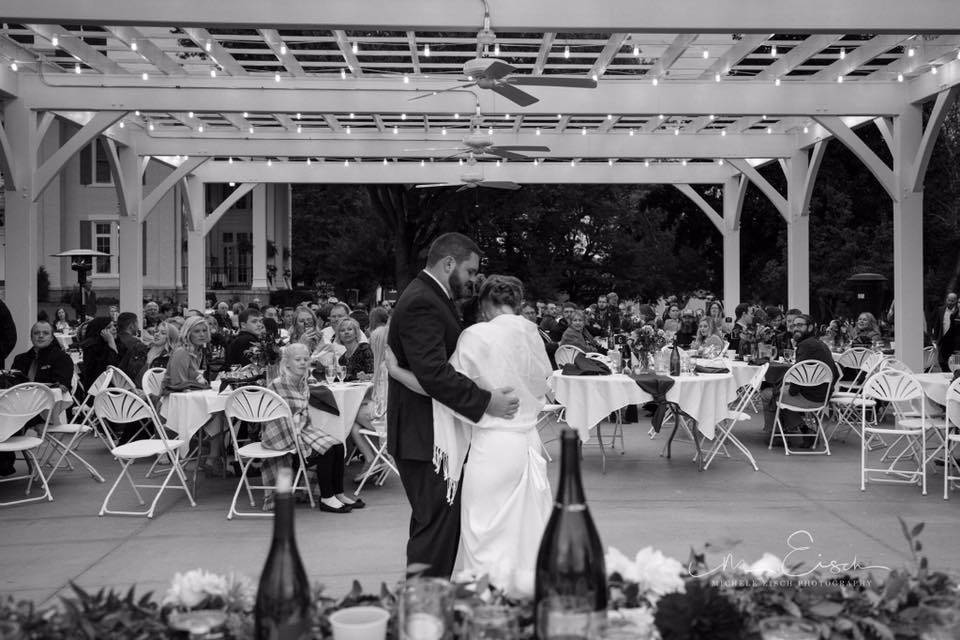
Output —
(809, 347)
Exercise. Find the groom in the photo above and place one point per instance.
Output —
(424, 328)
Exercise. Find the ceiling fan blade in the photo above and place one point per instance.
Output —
(433, 93)
(457, 149)
(497, 70)
(466, 187)
(436, 185)
(513, 94)
(520, 147)
(509, 155)
(552, 81)
(500, 184)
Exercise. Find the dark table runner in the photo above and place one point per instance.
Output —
(658, 386)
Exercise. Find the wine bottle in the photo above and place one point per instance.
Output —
(675, 360)
(283, 608)
(570, 593)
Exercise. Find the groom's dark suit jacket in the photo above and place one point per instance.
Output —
(424, 328)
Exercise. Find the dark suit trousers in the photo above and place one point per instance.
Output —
(434, 523)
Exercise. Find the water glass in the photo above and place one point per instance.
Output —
(789, 355)
(359, 623)
(330, 373)
(341, 373)
(426, 609)
(954, 362)
(493, 622)
(788, 628)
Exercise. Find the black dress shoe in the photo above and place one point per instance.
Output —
(356, 504)
(329, 509)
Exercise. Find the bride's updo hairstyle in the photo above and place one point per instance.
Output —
(502, 291)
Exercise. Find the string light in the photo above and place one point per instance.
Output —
(773, 51)
(910, 52)
(346, 163)
(769, 130)
(460, 162)
(348, 129)
(706, 54)
(283, 49)
(573, 163)
(213, 73)
(631, 131)
(776, 82)
(456, 116)
(133, 46)
(308, 162)
(655, 82)
(137, 112)
(683, 163)
(661, 116)
(422, 163)
(403, 116)
(763, 117)
(498, 163)
(506, 116)
(200, 129)
(396, 130)
(232, 184)
(806, 129)
(145, 76)
(353, 116)
(269, 162)
(384, 162)
(720, 161)
(496, 49)
(55, 41)
(636, 51)
(723, 132)
(443, 131)
(76, 68)
(150, 126)
(595, 77)
(489, 131)
(208, 46)
(609, 162)
(276, 77)
(189, 114)
(716, 77)
(843, 53)
(840, 79)
(298, 116)
(343, 74)
(356, 48)
(538, 130)
(933, 70)
(230, 160)
(646, 163)
(583, 131)
(712, 117)
(899, 77)
(676, 131)
(299, 128)
(13, 66)
(250, 129)
(244, 114)
(121, 124)
(406, 79)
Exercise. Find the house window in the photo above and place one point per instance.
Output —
(102, 236)
(94, 165)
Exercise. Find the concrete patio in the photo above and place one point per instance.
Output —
(642, 500)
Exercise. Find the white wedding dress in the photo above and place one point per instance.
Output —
(506, 498)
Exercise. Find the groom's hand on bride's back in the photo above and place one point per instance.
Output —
(503, 403)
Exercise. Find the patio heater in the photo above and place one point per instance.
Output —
(82, 263)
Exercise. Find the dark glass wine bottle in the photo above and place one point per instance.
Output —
(675, 360)
(570, 596)
(283, 609)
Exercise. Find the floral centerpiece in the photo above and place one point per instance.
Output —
(199, 602)
(645, 341)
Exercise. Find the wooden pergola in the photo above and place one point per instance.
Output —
(689, 92)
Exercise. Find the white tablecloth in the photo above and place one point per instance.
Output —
(935, 385)
(742, 372)
(349, 397)
(590, 399)
(187, 411)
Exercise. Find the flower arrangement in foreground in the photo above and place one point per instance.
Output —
(653, 596)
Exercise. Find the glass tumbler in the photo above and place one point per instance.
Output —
(426, 609)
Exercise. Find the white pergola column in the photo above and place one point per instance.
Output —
(21, 254)
(259, 224)
(196, 250)
(130, 255)
(732, 205)
(798, 234)
(908, 239)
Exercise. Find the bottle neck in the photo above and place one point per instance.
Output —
(283, 518)
(570, 489)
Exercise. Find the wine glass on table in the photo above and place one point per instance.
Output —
(330, 373)
(341, 373)
(953, 363)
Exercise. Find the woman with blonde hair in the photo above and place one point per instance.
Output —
(305, 329)
(185, 373)
(165, 339)
(707, 336)
(324, 452)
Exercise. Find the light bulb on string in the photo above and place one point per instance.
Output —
(899, 77)
(843, 53)
(133, 46)
(13, 66)
(308, 162)
(299, 128)
(355, 48)
(655, 82)
(208, 46)
(76, 68)
(213, 73)
(122, 125)
(269, 162)
(343, 74)
(773, 51)
(145, 76)
(566, 52)
(283, 49)
(55, 41)
(636, 51)
(426, 50)
(189, 114)
(910, 52)
(250, 129)
(496, 49)
(276, 77)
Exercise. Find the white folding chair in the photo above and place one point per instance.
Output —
(259, 405)
(124, 407)
(152, 385)
(739, 414)
(808, 374)
(951, 470)
(895, 387)
(566, 354)
(18, 405)
(853, 358)
(383, 462)
(65, 438)
(551, 415)
(847, 405)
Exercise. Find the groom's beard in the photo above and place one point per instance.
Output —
(459, 289)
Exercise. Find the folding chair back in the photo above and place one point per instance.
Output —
(153, 385)
(893, 363)
(256, 404)
(566, 354)
(123, 407)
(19, 404)
(807, 373)
(893, 386)
(120, 379)
(853, 357)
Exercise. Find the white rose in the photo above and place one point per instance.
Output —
(658, 574)
(190, 589)
(616, 562)
(768, 566)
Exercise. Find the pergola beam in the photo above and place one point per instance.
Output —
(207, 43)
(940, 108)
(699, 200)
(413, 173)
(546, 43)
(146, 48)
(151, 201)
(211, 220)
(611, 145)
(79, 49)
(778, 201)
(871, 160)
(610, 49)
(661, 16)
(388, 96)
(279, 49)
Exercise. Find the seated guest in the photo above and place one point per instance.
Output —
(251, 330)
(866, 331)
(530, 313)
(151, 315)
(687, 330)
(379, 317)
(165, 337)
(744, 313)
(305, 329)
(715, 311)
(670, 322)
(323, 452)
(99, 348)
(185, 373)
(809, 347)
(358, 357)
(592, 322)
(707, 337)
(576, 334)
(222, 316)
(271, 325)
(61, 322)
(548, 320)
(46, 362)
(338, 312)
(132, 351)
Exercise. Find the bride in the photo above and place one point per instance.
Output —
(506, 499)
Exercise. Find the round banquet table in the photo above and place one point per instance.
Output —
(349, 397)
(590, 399)
(741, 371)
(935, 386)
(187, 411)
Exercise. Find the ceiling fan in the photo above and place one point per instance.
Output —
(479, 144)
(490, 73)
(472, 181)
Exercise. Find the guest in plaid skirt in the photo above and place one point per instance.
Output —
(321, 451)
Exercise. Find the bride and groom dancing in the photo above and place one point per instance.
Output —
(479, 389)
